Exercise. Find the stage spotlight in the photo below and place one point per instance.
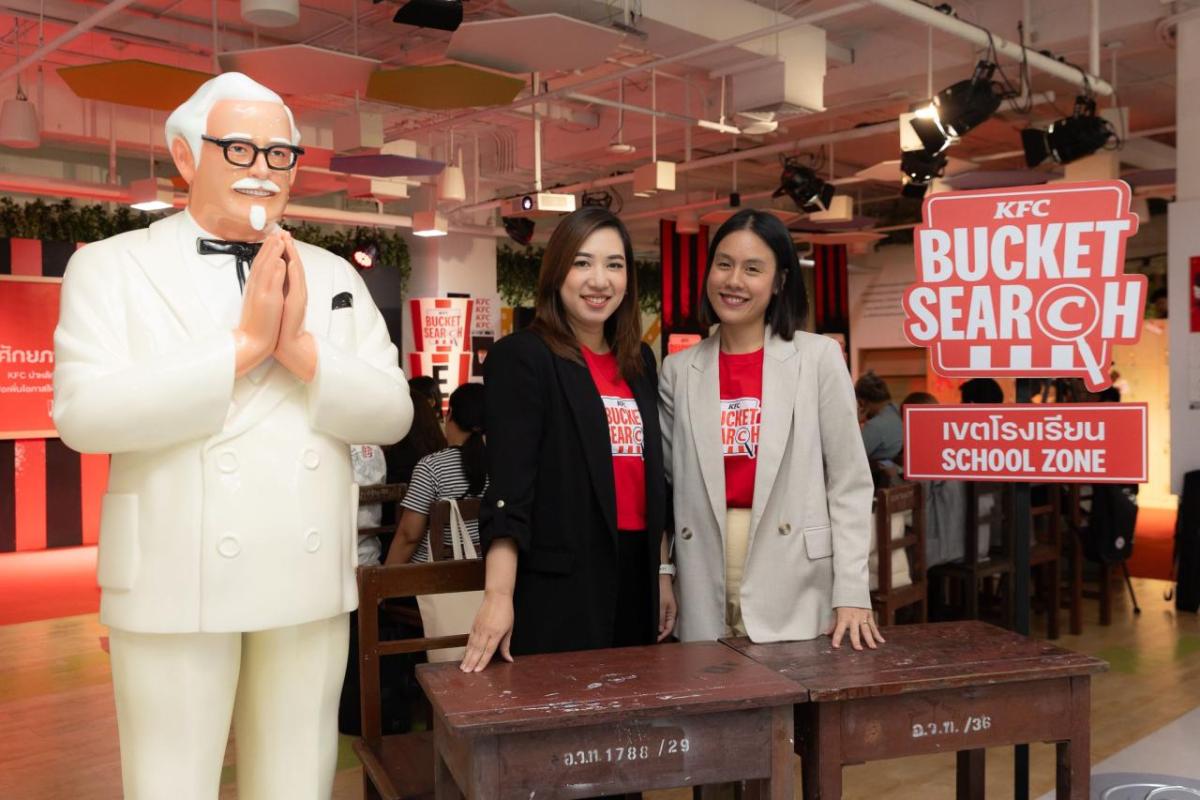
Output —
(920, 168)
(444, 15)
(1070, 138)
(957, 109)
(806, 189)
(365, 255)
(519, 229)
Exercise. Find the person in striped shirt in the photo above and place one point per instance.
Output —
(458, 471)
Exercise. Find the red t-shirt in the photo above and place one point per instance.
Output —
(741, 418)
(626, 437)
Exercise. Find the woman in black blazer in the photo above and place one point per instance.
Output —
(572, 522)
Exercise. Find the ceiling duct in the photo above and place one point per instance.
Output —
(782, 73)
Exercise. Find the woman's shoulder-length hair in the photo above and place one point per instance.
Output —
(788, 308)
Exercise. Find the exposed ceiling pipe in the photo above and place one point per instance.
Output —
(83, 26)
(839, 10)
(980, 37)
(866, 131)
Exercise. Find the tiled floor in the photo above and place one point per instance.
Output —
(59, 732)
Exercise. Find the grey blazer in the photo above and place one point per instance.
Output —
(810, 524)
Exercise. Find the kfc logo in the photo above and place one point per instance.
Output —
(1025, 282)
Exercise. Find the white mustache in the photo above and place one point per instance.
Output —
(265, 184)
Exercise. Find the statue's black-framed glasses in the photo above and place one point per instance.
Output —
(241, 153)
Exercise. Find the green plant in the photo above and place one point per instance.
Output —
(65, 221)
(517, 271)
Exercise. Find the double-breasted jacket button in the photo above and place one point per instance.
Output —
(312, 541)
(227, 462)
(229, 546)
(785, 528)
(311, 459)
(499, 504)
(686, 533)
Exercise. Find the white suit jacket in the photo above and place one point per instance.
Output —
(810, 525)
(231, 505)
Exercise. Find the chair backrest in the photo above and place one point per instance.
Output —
(902, 499)
(379, 583)
(383, 493)
(439, 521)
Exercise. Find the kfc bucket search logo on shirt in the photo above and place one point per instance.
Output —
(740, 421)
(1026, 281)
(624, 425)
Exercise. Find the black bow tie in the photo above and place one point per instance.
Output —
(244, 252)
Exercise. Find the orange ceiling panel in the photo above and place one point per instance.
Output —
(441, 87)
(134, 83)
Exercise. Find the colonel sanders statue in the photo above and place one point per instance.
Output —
(227, 368)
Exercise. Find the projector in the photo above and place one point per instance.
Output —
(541, 204)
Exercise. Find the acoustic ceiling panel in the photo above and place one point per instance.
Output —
(134, 83)
(539, 43)
(443, 87)
(301, 69)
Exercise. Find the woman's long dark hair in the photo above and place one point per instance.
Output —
(466, 411)
(623, 329)
(425, 436)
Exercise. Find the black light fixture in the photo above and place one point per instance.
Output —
(601, 199)
(920, 168)
(519, 229)
(365, 255)
(444, 15)
(957, 109)
(1070, 138)
(804, 186)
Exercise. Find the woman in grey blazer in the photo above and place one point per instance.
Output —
(772, 492)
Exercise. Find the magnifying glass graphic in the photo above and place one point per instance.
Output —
(1069, 313)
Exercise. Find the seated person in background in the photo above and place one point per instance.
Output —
(370, 468)
(458, 471)
(423, 438)
(882, 433)
(945, 507)
(981, 390)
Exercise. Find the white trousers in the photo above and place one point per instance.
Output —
(177, 692)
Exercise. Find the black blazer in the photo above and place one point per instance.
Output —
(551, 489)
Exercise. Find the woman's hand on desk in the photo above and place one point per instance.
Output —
(492, 630)
(859, 623)
(668, 609)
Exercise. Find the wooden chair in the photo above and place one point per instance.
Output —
(886, 599)
(979, 568)
(1045, 554)
(385, 494)
(1076, 516)
(439, 520)
(400, 767)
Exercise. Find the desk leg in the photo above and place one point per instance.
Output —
(822, 750)
(970, 775)
(1073, 778)
(780, 784)
(444, 787)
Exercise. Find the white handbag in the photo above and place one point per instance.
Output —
(454, 613)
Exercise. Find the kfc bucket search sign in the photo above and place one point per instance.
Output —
(1026, 282)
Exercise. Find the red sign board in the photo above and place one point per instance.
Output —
(1055, 443)
(28, 316)
(1026, 282)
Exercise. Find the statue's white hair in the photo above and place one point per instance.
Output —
(190, 120)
